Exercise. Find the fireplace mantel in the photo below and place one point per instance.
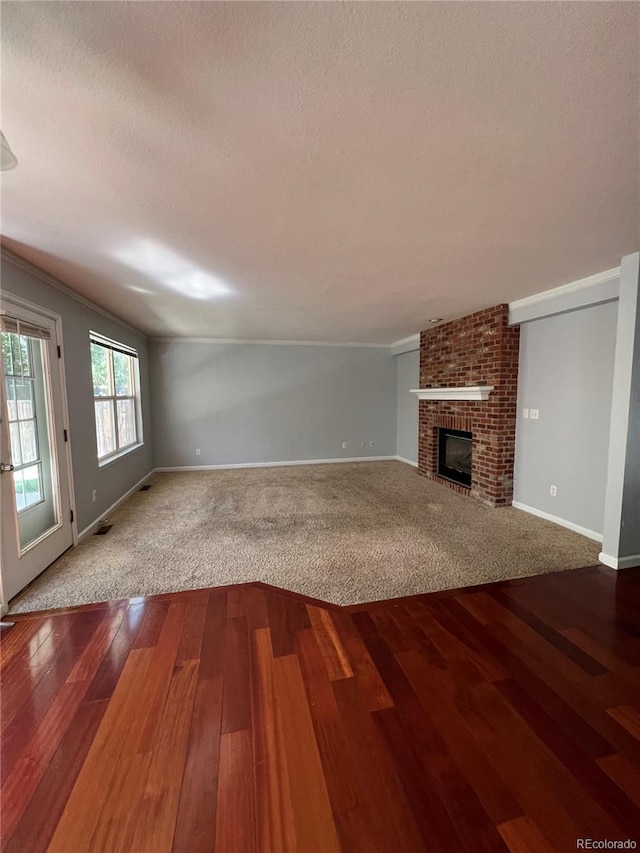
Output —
(469, 392)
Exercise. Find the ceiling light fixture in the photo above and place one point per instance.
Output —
(436, 320)
(8, 160)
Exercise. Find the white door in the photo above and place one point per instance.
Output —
(34, 480)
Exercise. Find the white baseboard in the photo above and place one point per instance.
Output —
(583, 531)
(91, 527)
(276, 464)
(406, 461)
(619, 562)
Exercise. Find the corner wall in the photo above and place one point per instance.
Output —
(566, 373)
(243, 404)
(408, 378)
(621, 541)
(78, 319)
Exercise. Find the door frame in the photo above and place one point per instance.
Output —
(11, 299)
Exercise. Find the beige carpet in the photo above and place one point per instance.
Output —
(344, 533)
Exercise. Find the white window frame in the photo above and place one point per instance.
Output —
(112, 346)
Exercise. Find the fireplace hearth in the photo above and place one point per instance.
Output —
(454, 456)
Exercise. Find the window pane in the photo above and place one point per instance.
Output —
(7, 357)
(15, 354)
(12, 409)
(101, 371)
(32, 489)
(16, 455)
(105, 427)
(126, 423)
(122, 374)
(24, 396)
(25, 352)
(28, 441)
(18, 485)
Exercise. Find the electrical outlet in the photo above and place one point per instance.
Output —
(533, 414)
(95, 495)
(370, 444)
(197, 451)
(525, 413)
(344, 445)
(553, 491)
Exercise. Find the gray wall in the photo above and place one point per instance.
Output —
(248, 403)
(408, 377)
(114, 480)
(566, 372)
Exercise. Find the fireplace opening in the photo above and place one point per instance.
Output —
(454, 455)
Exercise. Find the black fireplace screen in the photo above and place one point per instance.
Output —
(454, 455)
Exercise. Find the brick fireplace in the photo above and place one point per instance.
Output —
(478, 350)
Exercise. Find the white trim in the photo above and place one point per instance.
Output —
(165, 340)
(624, 455)
(406, 461)
(571, 287)
(275, 464)
(67, 423)
(109, 343)
(114, 506)
(30, 306)
(468, 392)
(409, 344)
(45, 277)
(106, 461)
(619, 562)
(583, 531)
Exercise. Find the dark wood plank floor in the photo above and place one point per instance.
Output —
(502, 717)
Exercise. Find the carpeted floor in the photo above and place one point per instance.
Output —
(344, 533)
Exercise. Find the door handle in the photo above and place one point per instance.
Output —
(4, 468)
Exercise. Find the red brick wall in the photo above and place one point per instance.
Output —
(481, 349)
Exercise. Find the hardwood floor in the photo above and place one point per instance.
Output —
(246, 718)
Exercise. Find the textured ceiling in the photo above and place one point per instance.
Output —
(319, 171)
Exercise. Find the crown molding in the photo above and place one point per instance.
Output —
(571, 287)
(177, 340)
(409, 344)
(46, 278)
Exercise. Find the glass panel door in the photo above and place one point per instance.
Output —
(25, 369)
(36, 521)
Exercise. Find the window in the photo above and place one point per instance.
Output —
(116, 399)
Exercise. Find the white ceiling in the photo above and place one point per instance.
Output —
(319, 171)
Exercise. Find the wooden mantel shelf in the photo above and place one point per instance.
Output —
(469, 392)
